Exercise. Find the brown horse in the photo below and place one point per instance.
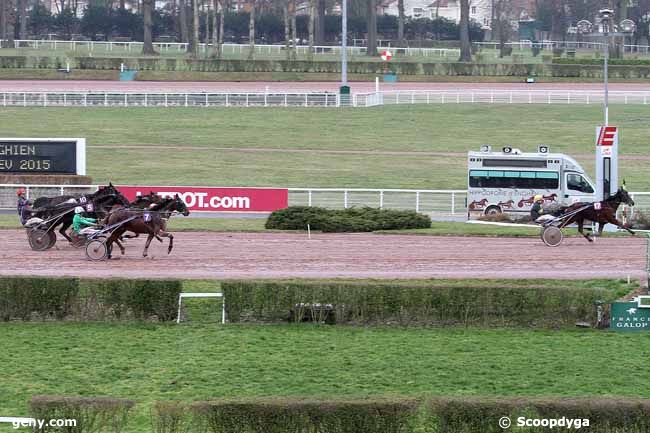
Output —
(602, 212)
(152, 223)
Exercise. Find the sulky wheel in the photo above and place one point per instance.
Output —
(41, 240)
(552, 236)
(78, 241)
(96, 250)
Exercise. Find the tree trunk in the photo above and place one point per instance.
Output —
(3, 23)
(294, 36)
(287, 30)
(122, 4)
(312, 28)
(222, 19)
(195, 28)
(400, 21)
(147, 46)
(10, 20)
(251, 31)
(182, 13)
(319, 26)
(465, 44)
(371, 48)
(215, 29)
(22, 19)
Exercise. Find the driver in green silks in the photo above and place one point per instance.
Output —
(79, 221)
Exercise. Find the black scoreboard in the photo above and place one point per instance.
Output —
(44, 156)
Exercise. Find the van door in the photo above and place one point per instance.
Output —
(577, 189)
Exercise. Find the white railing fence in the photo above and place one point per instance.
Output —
(132, 99)
(501, 97)
(434, 202)
(277, 50)
(316, 99)
(446, 202)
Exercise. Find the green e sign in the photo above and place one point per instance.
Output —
(627, 316)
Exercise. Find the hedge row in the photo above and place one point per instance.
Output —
(394, 415)
(599, 62)
(42, 298)
(91, 414)
(405, 303)
(364, 219)
(572, 68)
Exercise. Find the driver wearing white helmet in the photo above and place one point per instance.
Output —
(79, 221)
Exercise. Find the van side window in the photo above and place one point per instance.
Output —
(575, 182)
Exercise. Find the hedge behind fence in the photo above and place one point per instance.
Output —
(397, 415)
(424, 303)
(43, 298)
(363, 219)
(573, 68)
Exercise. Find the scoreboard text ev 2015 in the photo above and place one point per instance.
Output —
(44, 156)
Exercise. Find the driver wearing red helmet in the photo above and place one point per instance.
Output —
(23, 205)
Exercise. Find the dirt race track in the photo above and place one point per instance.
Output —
(282, 255)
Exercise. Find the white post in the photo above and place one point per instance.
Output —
(377, 84)
(309, 198)
(453, 203)
(381, 199)
(178, 316)
(345, 199)
(417, 201)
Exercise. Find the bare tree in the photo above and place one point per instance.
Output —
(465, 44)
(312, 26)
(147, 46)
(319, 23)
(502, 15)
(251, 31)
(287, 29)
(182, 16)
(294, 36)
(371, 48)
(22, 19)
(193, 47)
(215, 29)
(400, 20)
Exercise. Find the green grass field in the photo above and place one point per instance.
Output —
(384, 147)
(191, 362)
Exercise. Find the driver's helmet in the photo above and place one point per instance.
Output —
(20, 191)
(538, 197)
(78, 209)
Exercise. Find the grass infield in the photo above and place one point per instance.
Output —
(385, 147)
(149, 362)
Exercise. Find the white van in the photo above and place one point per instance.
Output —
(508, 180)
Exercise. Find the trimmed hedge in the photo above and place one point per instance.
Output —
(364, 219)
(561, 67)
(92, 414)
(426, 303)
(42, 298)
(397, 415)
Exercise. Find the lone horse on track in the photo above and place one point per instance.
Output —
(602, 212)
(152, 223)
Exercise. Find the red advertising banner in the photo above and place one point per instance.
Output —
(218, 199)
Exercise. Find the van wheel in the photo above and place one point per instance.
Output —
(493, 210)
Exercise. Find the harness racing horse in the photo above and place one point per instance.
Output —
(101, 201)
(42, 202)
(601, 212)
(150, 222)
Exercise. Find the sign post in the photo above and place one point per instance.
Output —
(606, 161)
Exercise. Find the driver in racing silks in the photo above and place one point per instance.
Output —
(536, 211)
(79, 221)
(22, 205)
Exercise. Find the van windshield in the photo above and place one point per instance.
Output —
(575, 182)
